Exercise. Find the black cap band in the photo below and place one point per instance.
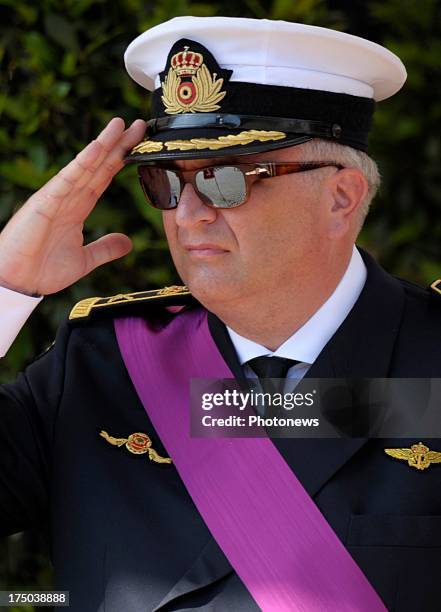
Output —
(320, 114)
(319, 129)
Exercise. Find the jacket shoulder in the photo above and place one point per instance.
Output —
(430, 295)
(418, 348)
(435, 288)
(124, 304)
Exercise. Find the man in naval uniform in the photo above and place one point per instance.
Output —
(257, 157)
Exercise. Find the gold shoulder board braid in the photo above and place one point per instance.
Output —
(436, 286)
(84, 308)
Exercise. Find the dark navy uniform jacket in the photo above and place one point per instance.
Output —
(124, 533)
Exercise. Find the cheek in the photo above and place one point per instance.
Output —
(286, 224)
(170, 227)
(171, 233)
(168, 221)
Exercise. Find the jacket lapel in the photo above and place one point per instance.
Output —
(226, 348)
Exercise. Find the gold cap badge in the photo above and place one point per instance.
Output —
(189, 87)
(137, 443)
(417, 456)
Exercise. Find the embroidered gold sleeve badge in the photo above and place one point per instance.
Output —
(189, 87)
(137, 443)
(417, 456)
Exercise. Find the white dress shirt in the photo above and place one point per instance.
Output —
(308, 341)
(15, 309)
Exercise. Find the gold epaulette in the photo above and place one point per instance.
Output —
(436, 287)
(83, 309)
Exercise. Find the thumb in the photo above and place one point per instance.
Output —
(105, 249)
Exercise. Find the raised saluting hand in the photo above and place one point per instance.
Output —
(41, 247)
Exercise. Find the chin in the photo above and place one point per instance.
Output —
(213, 290)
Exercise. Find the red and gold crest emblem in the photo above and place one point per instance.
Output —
(189, 87)
(137, 443)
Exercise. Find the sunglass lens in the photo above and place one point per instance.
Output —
(162, 187)
(223, 187)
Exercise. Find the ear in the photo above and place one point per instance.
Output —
(348, 188)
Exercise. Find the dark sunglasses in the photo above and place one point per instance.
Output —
(217, 186)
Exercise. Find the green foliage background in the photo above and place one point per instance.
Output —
(63, 78)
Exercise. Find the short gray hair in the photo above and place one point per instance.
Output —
(326, 150)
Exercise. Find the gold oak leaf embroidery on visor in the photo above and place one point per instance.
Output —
(231, 140)
(189, 87)
(137, 443)
(417, 456)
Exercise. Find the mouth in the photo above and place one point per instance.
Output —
(204, 250)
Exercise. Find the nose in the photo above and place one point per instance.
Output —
(191, 210)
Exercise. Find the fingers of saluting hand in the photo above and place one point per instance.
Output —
(84, 199)
(80, 169)
(99, 161)
(110, 165)
(110, 159)
(105, 249)
(87, 160)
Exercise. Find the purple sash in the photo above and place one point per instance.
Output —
(271, 531)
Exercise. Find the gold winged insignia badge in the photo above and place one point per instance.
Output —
(137, 443)
(417, 456)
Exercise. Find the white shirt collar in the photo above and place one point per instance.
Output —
(308, 341)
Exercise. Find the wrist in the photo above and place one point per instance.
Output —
(27, 292)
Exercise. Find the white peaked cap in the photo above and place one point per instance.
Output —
(270, 52)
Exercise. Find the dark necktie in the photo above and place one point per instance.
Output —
(271, 367)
